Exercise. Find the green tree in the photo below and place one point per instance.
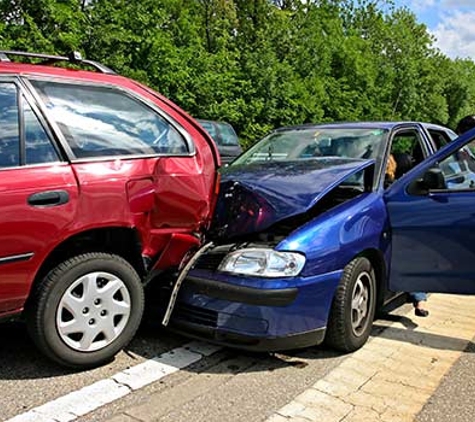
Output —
(43, 25)
(259, 64)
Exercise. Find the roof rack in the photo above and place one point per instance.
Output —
(47, 59)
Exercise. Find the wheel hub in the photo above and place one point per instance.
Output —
(360, 303)
(93, 311)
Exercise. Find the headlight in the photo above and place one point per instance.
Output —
(263, 263)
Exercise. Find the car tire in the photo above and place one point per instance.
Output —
(86, 310)
(353, 308)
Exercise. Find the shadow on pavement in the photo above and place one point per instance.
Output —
(434, 341)
(405, 321)
(254, 361)
(21, 360)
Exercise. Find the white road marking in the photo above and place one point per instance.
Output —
(78, 403)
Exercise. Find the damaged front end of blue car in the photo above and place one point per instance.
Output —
(279, 233)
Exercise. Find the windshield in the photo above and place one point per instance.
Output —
(210, 128)
(316, 142)
(222, 133)
(228, 136)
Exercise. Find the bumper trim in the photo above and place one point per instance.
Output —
(242, 294)
(245, 342)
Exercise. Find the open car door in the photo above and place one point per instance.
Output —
(432, 218)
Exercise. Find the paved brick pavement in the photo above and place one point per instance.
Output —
(394, 375)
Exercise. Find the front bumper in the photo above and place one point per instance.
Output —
(260, 315)
(247, 342)
(243, 294)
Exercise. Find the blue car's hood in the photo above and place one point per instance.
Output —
(254, 197)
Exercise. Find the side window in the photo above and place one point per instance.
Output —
(406, 152)
(9, 126)
(441, 138)
(100, 121)
(38, 147)
(459, 170)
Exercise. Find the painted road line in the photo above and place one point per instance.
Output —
(78, 403)
(394, 374)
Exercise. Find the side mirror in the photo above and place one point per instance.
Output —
(434, 179)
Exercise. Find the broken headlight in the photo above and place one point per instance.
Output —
(263, 263)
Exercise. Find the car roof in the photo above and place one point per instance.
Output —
(56, 71)
(387, 125)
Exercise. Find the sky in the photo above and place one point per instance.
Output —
(452, 22)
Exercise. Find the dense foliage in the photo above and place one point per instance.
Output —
(259, 64)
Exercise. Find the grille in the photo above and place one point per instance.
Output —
(196, 315)
(210, 261)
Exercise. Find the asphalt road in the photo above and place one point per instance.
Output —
(454, 399)
(228, 385)
(28, 380)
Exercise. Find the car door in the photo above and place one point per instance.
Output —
(431, 213)
(37, 192)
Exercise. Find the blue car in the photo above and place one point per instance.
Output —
(312, 235)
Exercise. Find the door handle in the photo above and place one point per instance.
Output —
(49, 198)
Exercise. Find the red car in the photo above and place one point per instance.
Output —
(104, 184)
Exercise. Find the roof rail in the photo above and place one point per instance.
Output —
(74, 58)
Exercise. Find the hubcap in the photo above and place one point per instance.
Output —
(360, 303)
(93, 311)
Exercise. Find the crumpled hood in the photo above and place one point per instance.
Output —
(254, 197)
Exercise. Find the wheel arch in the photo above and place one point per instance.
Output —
(376, 258)
(122, 241)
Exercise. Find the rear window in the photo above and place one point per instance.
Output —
(102, 121)
(441, 138)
